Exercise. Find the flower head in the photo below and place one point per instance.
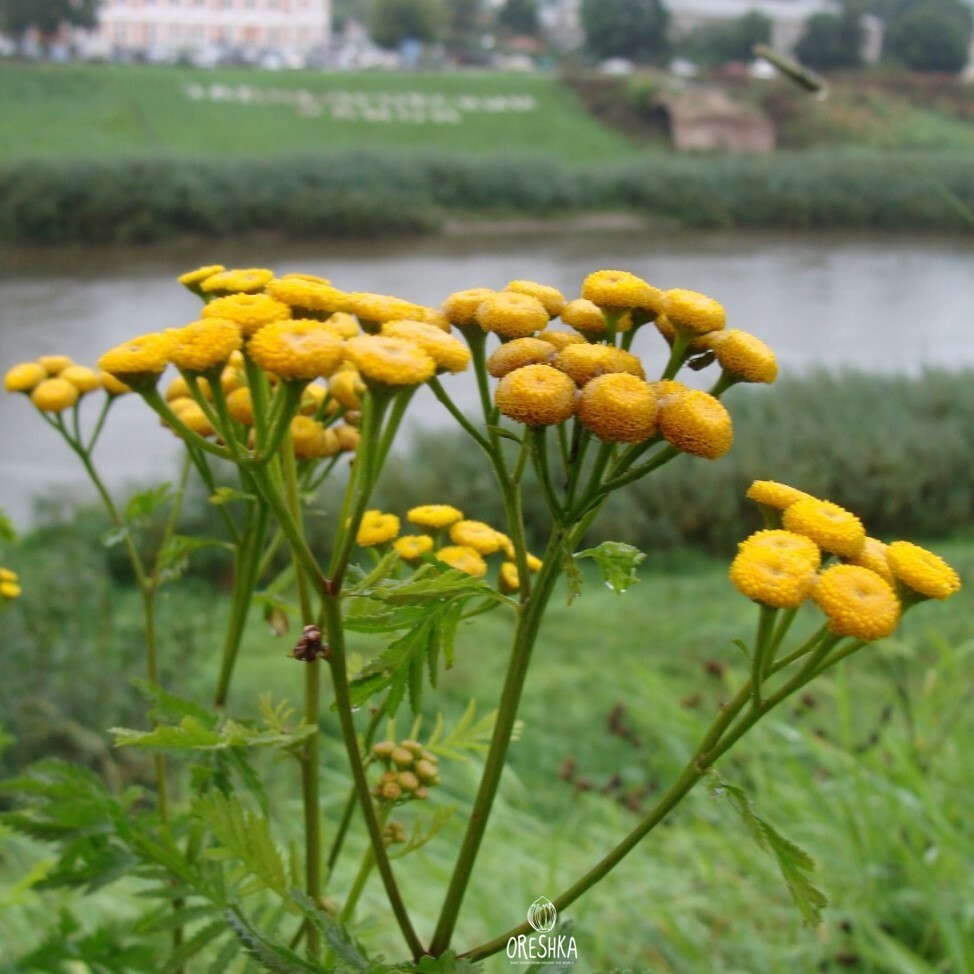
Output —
(517, 353)
(234, 281)
(390, 361)
(412, 547)
(447, 352)
(743, 355)
(54, 364)
(584, 362)
(141, 359)
(922, 571)
(693, 312)
(796, 546)
(23, 377)
(379, 308)
(560, 338)
(240, 406)
(83, 378)
(310, 298)
(9, 584)
(618, 408)
(620, 290)
(536, 395)
(346, 387)
(831, 527)
(584, 315)
(464, 559)
(300, 348)
(311, 440)
(377, 528)
(857, 602)
(192, 415)
(250, 312)
(193, 279)
(511, 314)
(54, 395)
(874, 555)
(772, 494)
(205, 344)
(696, 423)
(552, 299)
(434, 516)
(484, 539)
(461, 306)
(777, 577)
(343, 324)
(113, 386)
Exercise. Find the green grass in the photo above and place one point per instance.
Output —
(111, 110)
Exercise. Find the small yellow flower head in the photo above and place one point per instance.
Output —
(142, 359)
(311, 440)
(461, 306)
(312, 397)
(412, 547)
(240, 406)
(559, 338)
(693, 312)
(434, 516)
(618, 408)
(314, 278)
(380, 308)
(390, 361)
(54, 365)
(449, 353)
(346, 387)
(831, 527)
(205, 344)
(24, 377)
(552, 299)
(377, 528)
(922, 571)
(54, 395)
(250, 312)
(795, 545)
(464, 559)
(247, 281)
(348, 438)
(665, 327)
(10, 590)
(772, 494)
(508, 579)
(743, 355)
(232, 378)
(873, 556)
(300, 348)
(179, 404)
(194, 417)
(696, 423)
(536, 395)
(585, 362)
(8, 575)
(311, 298)
(512, 315)
(584, 315)
(433, 316)
(113, 386)
(857, 602)
(178, 388)
(518, 353)
(620, 290)
(343, 324)
(193, 279)
(774, 576)
(484, 539)
(80, 376)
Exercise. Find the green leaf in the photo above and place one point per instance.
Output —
(447, 963)
(147, 502)
(115, 535)
(174, 557)
(794, 862)
(335, 936)
(167, 706)
(468, 735)
(617, 561)
(573, 574)
(275, 958)
(422, 834)
(193, 945)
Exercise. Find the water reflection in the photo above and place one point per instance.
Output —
(878, 304)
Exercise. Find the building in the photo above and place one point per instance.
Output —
(286, 28)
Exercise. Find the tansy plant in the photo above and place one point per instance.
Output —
(283, 380)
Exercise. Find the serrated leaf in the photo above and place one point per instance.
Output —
(618, 563)
(275, 958)
(794, 862)
(175, 556)
(422, 834)
(193, 945)
(335, 935)
(168, 705)
(146, 502)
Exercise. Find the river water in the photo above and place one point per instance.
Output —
(879, 304)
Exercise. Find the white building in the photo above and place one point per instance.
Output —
(289, 27)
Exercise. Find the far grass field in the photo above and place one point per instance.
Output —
(111, 110)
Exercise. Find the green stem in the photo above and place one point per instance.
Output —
(444, 397)
(761, 653)
(681, 342)
(362, 876)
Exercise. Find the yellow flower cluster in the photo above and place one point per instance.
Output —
(9, 584)
(55, 383)
(862, 594)
(410, 771)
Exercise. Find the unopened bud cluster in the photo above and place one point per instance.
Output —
(410, 772)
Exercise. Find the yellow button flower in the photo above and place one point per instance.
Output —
(193, 416)
(205, 344)
(113, 386)
(83, 378)
(518, 353)
(434, 516)
(380, 308)
(299, 348)
(772, 494)
(8, 575)
(140, 359)
(922, 571)
(307, 297)
(536, 395)
(54, 395)
(512, 315)
(584, 315)
(348, 438)
(343, 324)
(463, 559)
(857, 602)
(461, 306)
(54, 364)
(311, 441)
(346, 387)
(193, 278)
(10, 590)
(796, 546)
(411, 547)
(484, 539)
(618, 408)
(560, 338)
(743, 355)
(246, 280)
(552, 299)
(775, 577)
(874, 556)
(250, 312)
(447, 352)
(508, 578)
(692, 311)
(584, 362)
(696, 423)
(621, 290)
(240, 406)
(831, 527)
(377, 528)
(23, 377)
(390, 361)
